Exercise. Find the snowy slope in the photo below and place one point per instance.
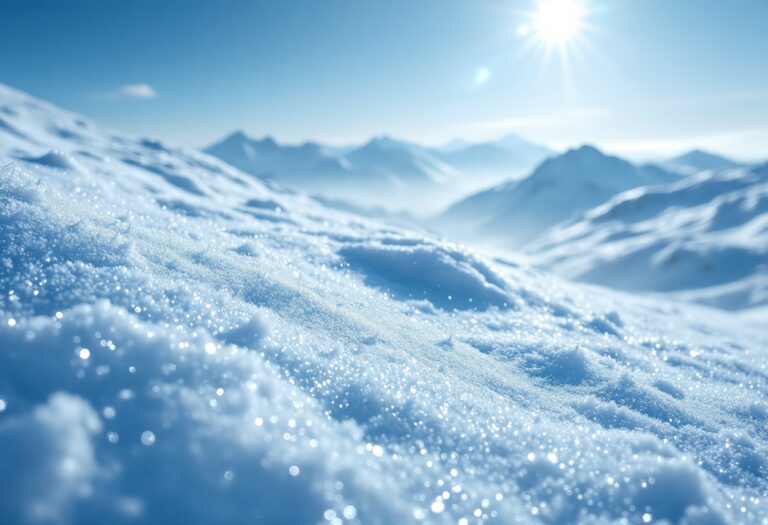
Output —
(703, 238)
(558, 189)
(180, 343)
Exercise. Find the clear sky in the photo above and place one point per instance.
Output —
(636, 76)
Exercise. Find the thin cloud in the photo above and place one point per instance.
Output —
(132, 91)
(522, 123)
(708, 100)
(745, 144)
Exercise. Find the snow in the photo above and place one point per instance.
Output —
(704, 238)
(445, 277)
(183, 343)
(560, 188)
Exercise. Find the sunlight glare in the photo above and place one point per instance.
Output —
(557, 22)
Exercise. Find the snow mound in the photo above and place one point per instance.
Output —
(447, 278)
(52, 466)
(171, 356)
(55, 159)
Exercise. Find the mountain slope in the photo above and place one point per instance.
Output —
(181, 343)
(557, 190)
(704, 238)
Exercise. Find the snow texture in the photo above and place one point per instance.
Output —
(183, 343)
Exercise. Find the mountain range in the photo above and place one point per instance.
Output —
(515, 212)
(383, 172)
(703, 238)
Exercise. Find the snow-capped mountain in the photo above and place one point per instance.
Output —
(384, 170)
(181, 343)
(266, 158)
(309, 165)
(704, 238)
(698, 160)
(401, 163)
(560, 188)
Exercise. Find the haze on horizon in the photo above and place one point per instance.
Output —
(636, 78)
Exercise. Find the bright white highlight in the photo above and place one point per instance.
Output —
(558, 21)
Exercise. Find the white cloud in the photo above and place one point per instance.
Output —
(135, 91)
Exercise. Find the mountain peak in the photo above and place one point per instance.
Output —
(241, 137)
(268, 140)
(586, 149)
(236, 137)
(511, 140)
(700, 160)
(384, 141)
(586, 155)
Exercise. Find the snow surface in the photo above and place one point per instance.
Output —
(704, 238)
(181, 343)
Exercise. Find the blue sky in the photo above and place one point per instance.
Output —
(644, 76)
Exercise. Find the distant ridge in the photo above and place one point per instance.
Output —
(384, 170)
(699, 160)
(561, 187)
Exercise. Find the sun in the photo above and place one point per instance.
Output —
(558, 22)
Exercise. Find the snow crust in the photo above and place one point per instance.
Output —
(182, 343)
